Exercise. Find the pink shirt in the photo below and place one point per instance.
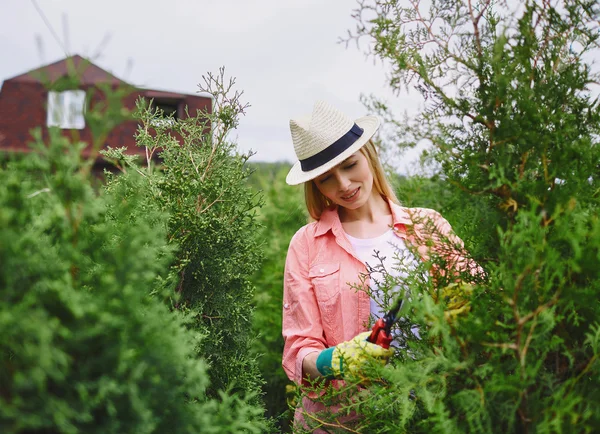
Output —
(320, 309)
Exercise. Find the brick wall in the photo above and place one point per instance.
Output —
(23, 107)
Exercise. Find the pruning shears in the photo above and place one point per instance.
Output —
(381, 332)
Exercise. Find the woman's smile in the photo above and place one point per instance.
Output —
(352, 196)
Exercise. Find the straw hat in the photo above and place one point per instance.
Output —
(325, 139)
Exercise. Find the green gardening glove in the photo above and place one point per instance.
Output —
(348, 358)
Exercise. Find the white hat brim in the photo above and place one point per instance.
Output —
(370, 125)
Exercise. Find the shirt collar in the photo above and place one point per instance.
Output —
(330, 219)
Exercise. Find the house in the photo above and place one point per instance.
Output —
(58, 94)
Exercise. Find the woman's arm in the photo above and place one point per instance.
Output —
(302, 327)
(309, 366)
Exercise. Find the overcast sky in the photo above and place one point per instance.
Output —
(284, 53)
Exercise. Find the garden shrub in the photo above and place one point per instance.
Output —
(513, 122)
(201, 182)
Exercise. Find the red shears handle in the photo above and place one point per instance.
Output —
(380, 335)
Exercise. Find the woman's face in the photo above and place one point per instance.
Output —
(349, 184)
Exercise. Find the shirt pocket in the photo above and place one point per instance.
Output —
(325, 278)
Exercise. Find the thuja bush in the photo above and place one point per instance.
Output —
(87, 343)
(513, 123)
(201, 182)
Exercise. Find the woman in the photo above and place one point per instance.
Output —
(356, 213)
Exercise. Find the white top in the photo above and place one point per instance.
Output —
(385, 252)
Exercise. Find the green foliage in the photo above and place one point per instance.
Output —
(281, 215)
(86, 342)
(514, 132)
(465, 211)
(202, 184)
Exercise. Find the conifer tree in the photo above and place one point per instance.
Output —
(513, 121)
(201, 182)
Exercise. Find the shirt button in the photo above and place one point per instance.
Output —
(322, 270)
(286, 306)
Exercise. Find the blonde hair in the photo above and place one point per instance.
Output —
(316, 203)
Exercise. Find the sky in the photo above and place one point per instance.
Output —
(284, 54)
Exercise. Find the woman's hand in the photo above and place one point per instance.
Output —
(349, 358)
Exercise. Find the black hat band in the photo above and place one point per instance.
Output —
(333, 150)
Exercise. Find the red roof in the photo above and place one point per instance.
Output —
(87, 72)
(152, 93)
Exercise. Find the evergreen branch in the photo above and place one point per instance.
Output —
(475, 21)
(505, 346)
(194, 165)
(585, 370)
(140, 172)
(546, 40)
(181, 280)
(465, 189)
(443, 44)
(210, 159)
(539, 309)
(527, 343)
(43, 190)
(445, 98)
(329, 424)
(203, 210)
